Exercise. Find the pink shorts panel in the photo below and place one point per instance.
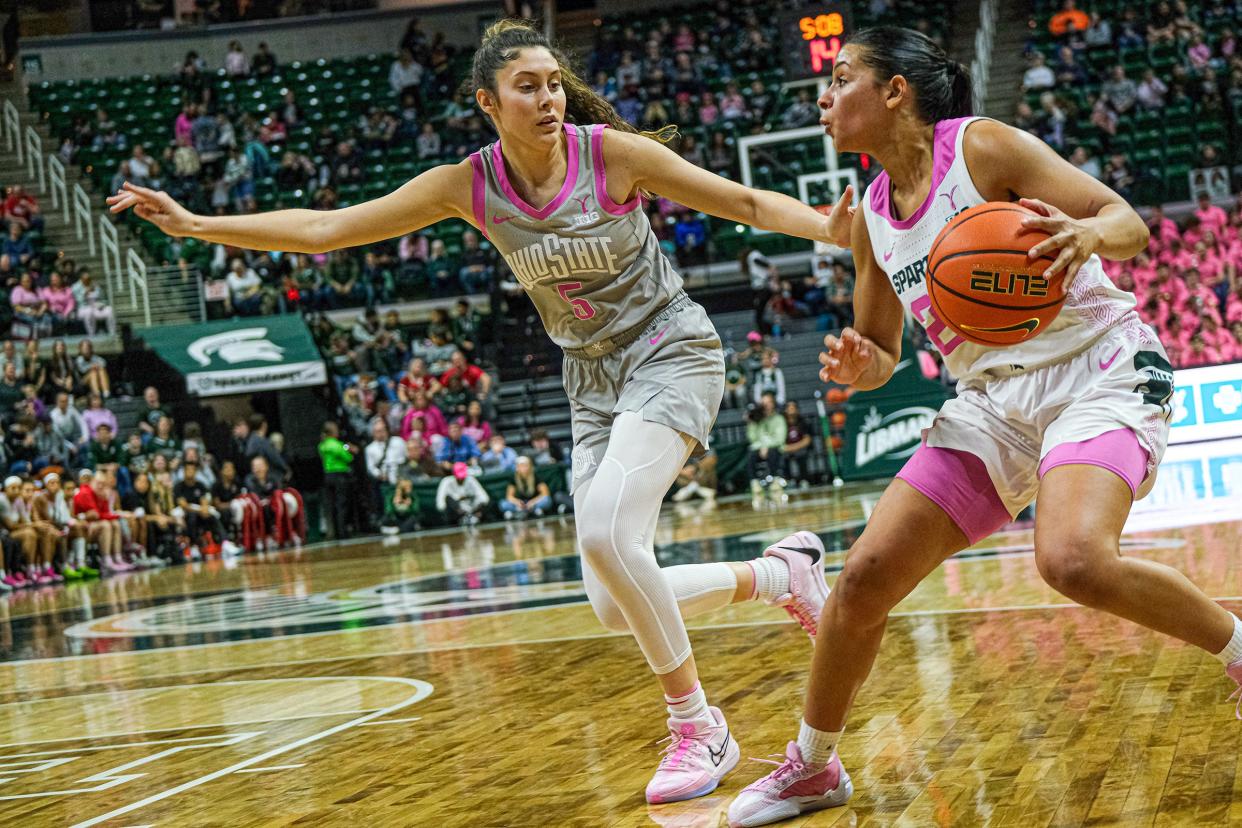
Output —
(959, 483)
(1118, 450)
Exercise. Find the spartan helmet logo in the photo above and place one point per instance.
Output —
(242, 345)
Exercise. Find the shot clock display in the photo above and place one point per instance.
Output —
(812, 38)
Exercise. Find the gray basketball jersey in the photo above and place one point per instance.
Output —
(592, 267)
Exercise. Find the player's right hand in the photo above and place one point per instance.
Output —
(159, 208)
(845, 357)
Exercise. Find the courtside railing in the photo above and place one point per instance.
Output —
(123, 268)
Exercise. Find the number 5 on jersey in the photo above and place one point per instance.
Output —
(582, 308)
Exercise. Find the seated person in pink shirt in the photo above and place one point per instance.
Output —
(59, 299)
(1175, 334)
(1233, 305)
(27, 306)
(1199, 354)
(1176, 256)
(1169, 290)
(1210, 216)
(1162, 227)
(1234, 352)
(1198, 299)
(1215, 336)
(433, 420)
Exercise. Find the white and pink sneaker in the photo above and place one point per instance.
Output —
(803, 552)
(701, 752)
(792, 789)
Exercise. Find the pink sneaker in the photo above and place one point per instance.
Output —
(54, 575)
(43, 579)
(1234, 671)
(804, 553)
(21, 581)
(12, 581)
(700, 754)
(792, 789)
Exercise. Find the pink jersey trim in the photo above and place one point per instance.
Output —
(601, 184)
(959, 483)
(944, 153)
(571, 178)
(478, 192)
(1118, 450)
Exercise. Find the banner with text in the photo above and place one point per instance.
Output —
(239, 356)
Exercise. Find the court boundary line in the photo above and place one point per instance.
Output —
(582, 637)
(422, 690)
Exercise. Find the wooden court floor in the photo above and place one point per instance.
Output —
(460, 680)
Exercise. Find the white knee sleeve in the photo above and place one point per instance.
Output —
(616, 515)
(291, 504)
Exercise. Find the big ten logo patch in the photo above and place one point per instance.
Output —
(586, 218)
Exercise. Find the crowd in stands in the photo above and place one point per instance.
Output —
(166, 14)
(416, 407)
(1141, 98)
(219, 158)
(1187, 283)
(48, 294)
(141, 497)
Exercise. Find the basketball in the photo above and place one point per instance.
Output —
(981, 282)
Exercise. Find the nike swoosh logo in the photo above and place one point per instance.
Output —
(656, 339)
(888, 255)
(717, 758)
(1029, 326)
(805, 550)
(502, 219)
(1104, 365)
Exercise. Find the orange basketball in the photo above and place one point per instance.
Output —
(981, 283)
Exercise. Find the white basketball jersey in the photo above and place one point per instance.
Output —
(1094, 304)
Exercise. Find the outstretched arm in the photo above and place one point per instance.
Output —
(440, 193)
(639, 163)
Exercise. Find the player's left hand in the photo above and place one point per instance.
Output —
(839, 218)
(1076, 239)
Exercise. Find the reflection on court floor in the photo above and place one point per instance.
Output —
(460, 679)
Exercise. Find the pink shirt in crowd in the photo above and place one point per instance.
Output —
(59, 301)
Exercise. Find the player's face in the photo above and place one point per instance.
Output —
(530, 101)
(853, 106)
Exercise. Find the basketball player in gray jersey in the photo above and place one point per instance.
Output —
(643, 365)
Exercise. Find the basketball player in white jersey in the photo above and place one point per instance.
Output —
(643, 365)
(1078, 415)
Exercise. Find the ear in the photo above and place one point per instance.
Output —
(486, 102)
(897, 90)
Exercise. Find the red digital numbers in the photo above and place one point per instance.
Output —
(824, 54)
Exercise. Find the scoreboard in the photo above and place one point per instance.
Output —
(812, 37)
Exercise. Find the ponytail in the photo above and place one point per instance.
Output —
(503, 41)
(942, 86)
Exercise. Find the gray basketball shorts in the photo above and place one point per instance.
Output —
(673, 373)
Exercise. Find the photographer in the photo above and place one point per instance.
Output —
(401, 510)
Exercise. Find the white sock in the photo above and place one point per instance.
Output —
(79, 552)
(692, 705)
(1233, 650)
(771, 578)
(817, 745)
